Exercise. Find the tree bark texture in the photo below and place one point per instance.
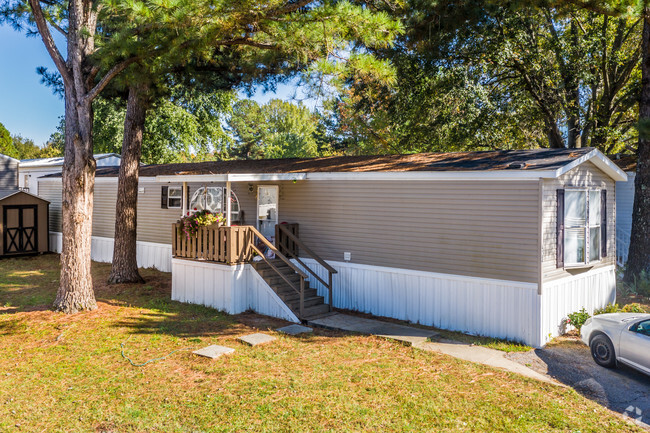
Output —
(75, 291)
(125, 264)
(639, 254)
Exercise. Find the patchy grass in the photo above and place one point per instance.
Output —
(492, 343)
(65, 373)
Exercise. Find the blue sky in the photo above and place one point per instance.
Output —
(29, 108)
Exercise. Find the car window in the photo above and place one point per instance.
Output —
(643, 327)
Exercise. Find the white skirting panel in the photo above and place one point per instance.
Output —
(232, 289)
(150, 255)
(590, 290)
(502, 309)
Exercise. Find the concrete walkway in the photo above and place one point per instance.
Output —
(419, 338)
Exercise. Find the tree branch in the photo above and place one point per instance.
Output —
(112, 73)
(46, 36)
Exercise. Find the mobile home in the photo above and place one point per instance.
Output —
(499, 243)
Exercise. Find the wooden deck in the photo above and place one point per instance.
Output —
(287, 274)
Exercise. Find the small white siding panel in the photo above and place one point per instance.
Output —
(149, 255)
(591, 290)
(624, 208)
(496, 308)
(232, 289)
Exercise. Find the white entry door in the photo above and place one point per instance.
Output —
(267, 209)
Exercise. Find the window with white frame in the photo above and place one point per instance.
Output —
(174, 197)
(580, 225)
(213, 199)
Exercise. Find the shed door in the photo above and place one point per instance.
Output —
(20, 229)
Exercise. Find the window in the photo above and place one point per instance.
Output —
(642, 328)
(213, 199)
(581, 226)
(174, 197)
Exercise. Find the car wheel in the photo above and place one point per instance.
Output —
(602, 350)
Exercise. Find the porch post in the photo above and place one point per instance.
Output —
(228, 203)
(184, 199)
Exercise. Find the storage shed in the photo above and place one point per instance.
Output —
(24, 223)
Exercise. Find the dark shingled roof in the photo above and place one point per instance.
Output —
(537, 159)
(625, 162)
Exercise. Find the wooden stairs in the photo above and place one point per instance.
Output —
(314, 305)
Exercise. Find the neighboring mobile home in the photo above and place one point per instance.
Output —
(502, 243)
(624, 205)
(30, 170)
(8, 173)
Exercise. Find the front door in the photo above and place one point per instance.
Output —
(267, 210)
(20, 229)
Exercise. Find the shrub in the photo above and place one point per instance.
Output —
(577, 319)
(610, 308)
(633, 308)
(640, 286)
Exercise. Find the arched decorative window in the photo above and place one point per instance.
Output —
(212, 198)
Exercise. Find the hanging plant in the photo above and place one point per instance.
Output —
(190, 224)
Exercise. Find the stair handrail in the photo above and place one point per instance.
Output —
(313, 255)
(282, 257)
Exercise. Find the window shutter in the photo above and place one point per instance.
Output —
(603, 223)
(559, 244)
(187, 197)
(164, 194)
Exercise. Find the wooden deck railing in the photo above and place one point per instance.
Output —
(239, 244)
(229, 245)
(287, 239)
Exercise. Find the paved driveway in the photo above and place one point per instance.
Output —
(622, 390)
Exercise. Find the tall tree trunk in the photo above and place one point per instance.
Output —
(75, 291)
(639, 254)
(573, 97)
(555, 139)
(125, 263)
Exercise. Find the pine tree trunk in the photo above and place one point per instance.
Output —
(125, 263)
(639, 254)
(75, 291)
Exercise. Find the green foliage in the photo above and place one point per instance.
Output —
(480, 76)
(640, 284)
(278, 129)
(609, 308)
(6, 142)
(184, 126)
(633, 308)
(577, 319)
(615, 308)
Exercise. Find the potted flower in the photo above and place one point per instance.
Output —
(204, 218)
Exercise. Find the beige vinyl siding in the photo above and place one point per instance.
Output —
(472, 228)
(50, 190)
(480, 229)
(585, 175)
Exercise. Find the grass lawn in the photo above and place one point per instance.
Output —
(66, 373)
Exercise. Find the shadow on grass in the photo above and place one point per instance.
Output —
(28, 283)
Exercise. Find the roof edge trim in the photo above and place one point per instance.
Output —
(3, 156)
(599, 160)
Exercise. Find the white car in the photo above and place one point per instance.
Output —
(619, 337)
